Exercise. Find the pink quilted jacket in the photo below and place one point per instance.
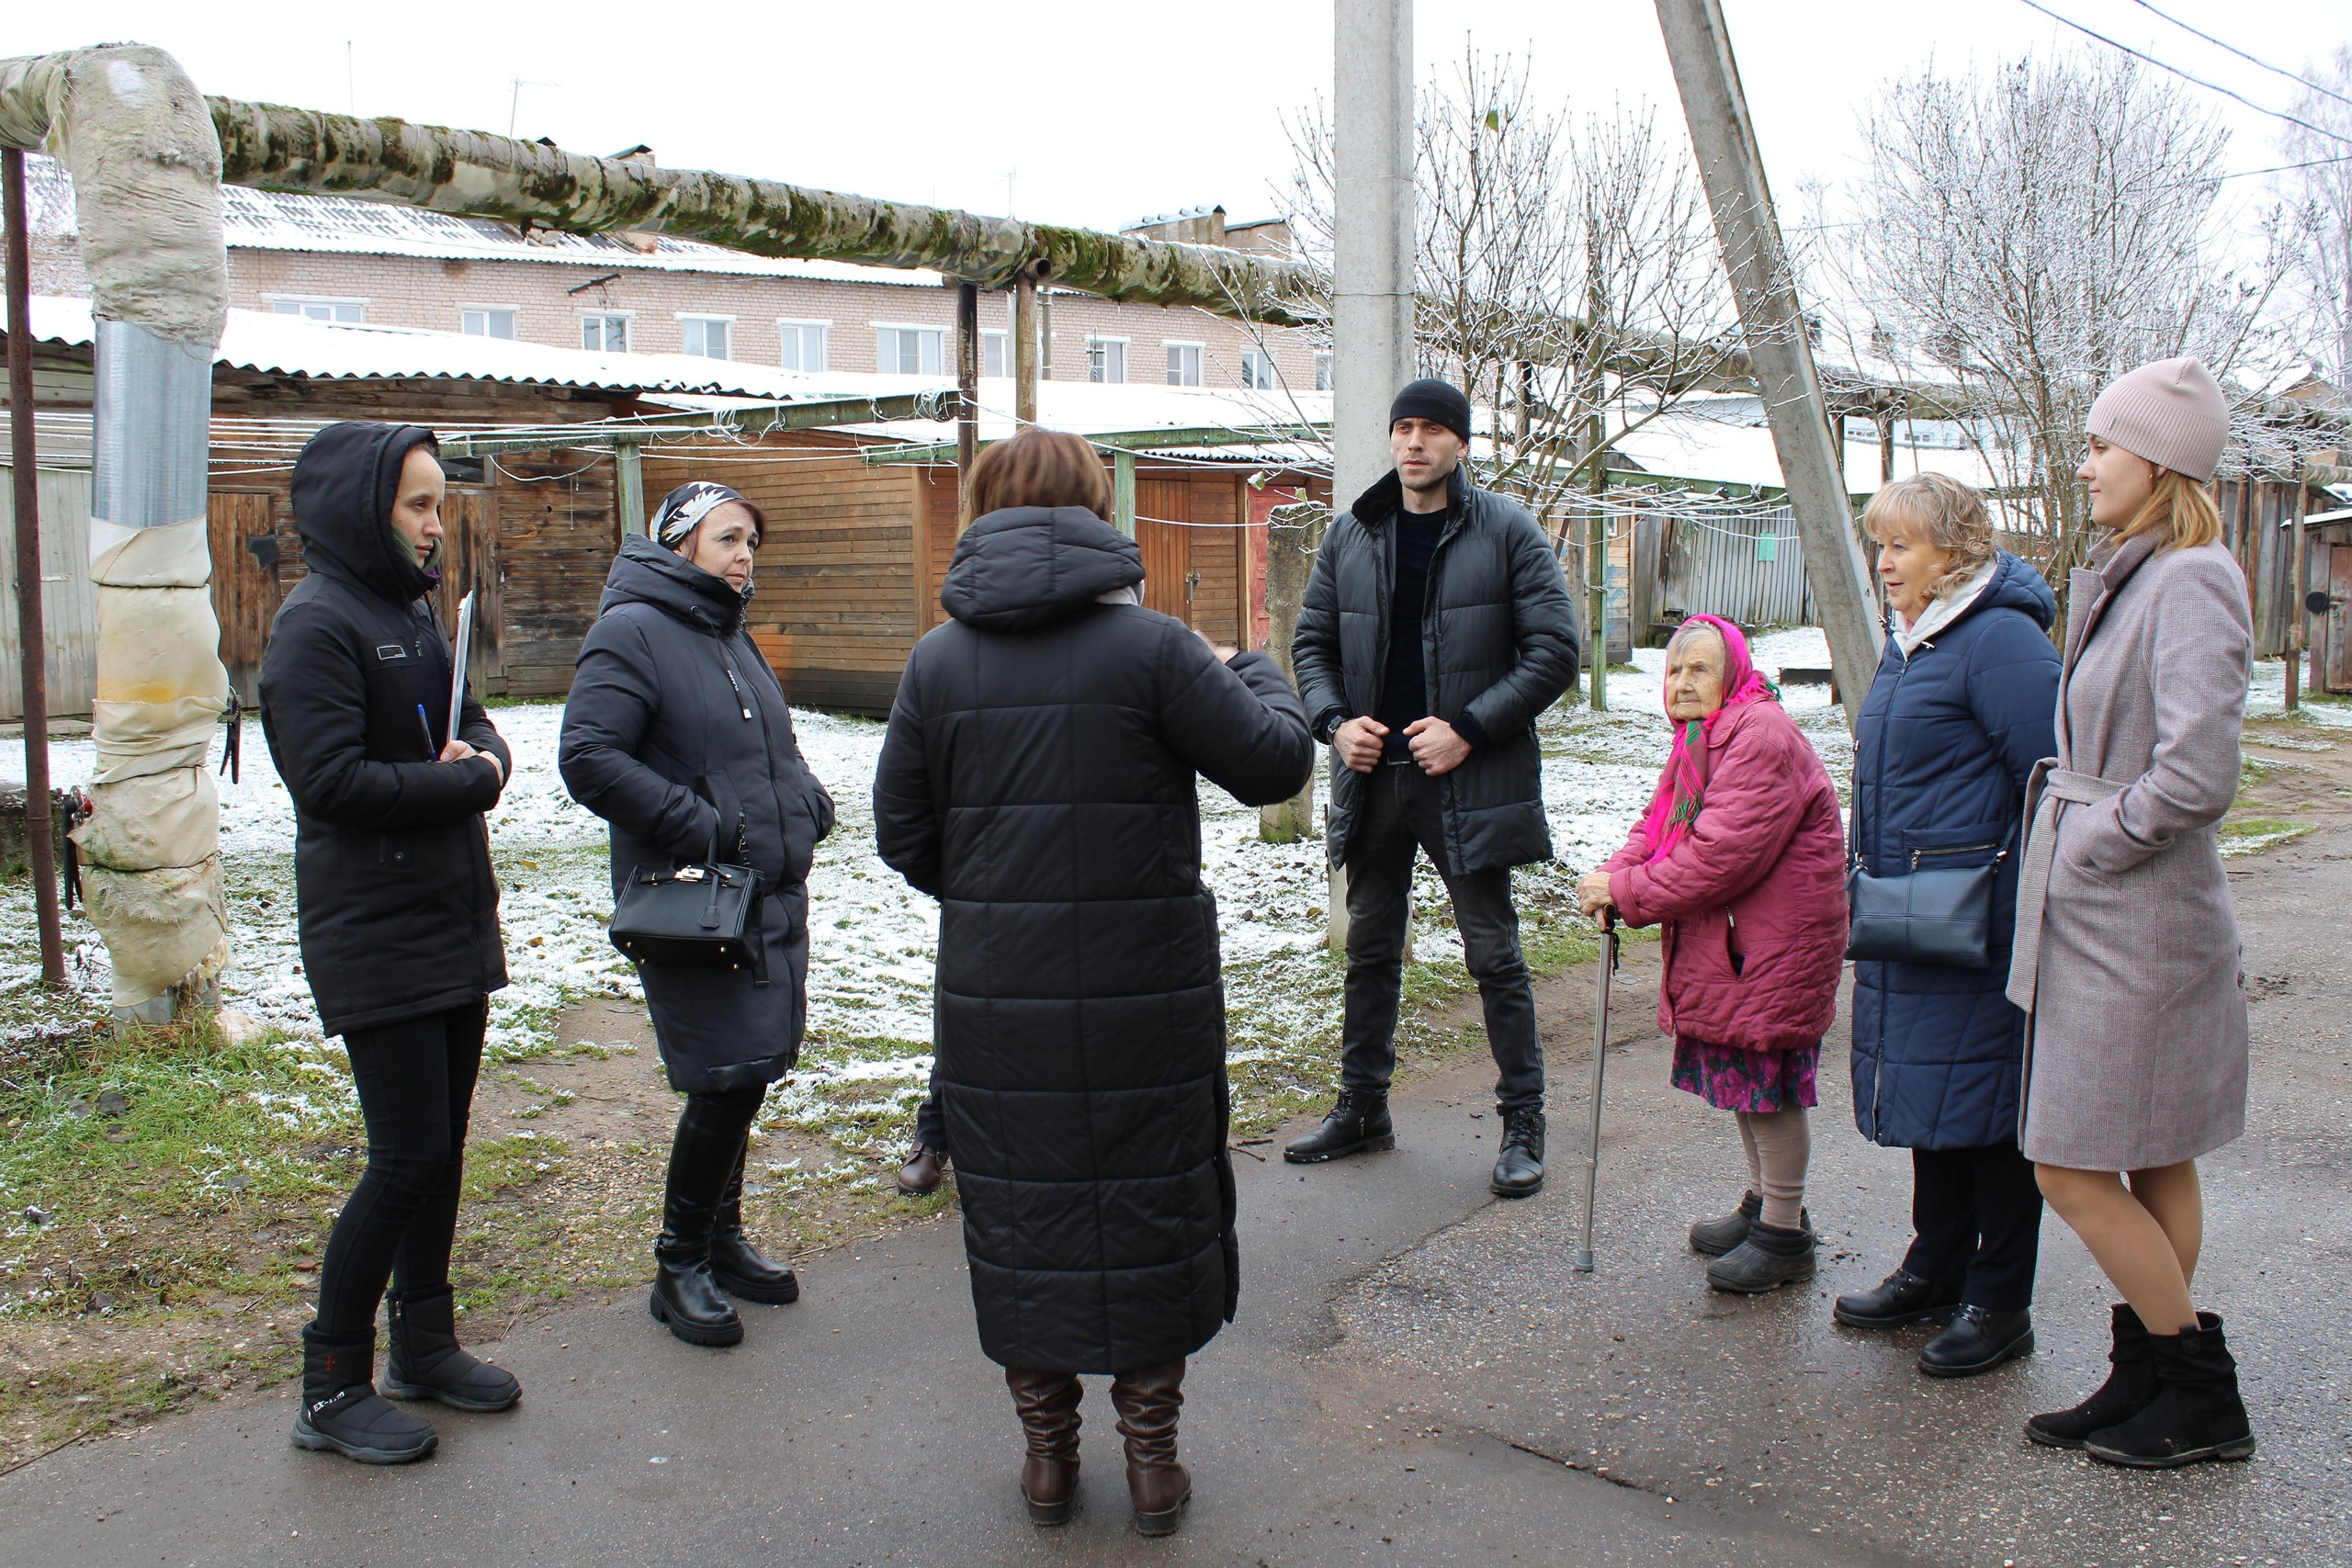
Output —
(1753, 897)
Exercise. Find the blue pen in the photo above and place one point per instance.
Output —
(432, 752)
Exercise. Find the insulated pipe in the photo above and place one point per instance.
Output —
(137, 140)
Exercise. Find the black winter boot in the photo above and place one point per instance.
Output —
(736, 1264)
(1519, 1164)
(427, 1362)
(2131, 1384)
(1359, 1121)
(1712, 1238)
(341, 1409)
(2197, 1414)
(1978, 1341)
(702, 1161)
(1769, 1258)
(1901, 1297)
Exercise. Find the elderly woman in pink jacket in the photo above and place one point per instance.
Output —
(1741, 856)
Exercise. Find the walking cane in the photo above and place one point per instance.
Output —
(1599, 1059)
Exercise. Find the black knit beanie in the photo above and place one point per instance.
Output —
(1430, 397)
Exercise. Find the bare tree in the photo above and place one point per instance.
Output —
(2318, 192)
(2023, 237)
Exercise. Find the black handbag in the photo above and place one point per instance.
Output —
(704, 916)
(1927, 917)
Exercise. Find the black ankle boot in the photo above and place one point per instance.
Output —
(1976, 1342)
(1769, 1258)
(2131, 1384)
(341, 1411)
(736, 1264)
(1359, 1121)
(1712, 1238)
(427, 1362)
(1901, 1297)
(2197, 1414)
(1519, 1164)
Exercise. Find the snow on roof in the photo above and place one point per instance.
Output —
(280, 220)
(1725, 440)
(293, 346)
(1087, 408)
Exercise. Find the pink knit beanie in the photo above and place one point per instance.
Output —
(2171, 412)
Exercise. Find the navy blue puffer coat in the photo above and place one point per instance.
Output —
(1946, 741)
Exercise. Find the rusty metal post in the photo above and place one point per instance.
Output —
(32, 641)
(967, 386)
(1024, 350)
(2294, 649)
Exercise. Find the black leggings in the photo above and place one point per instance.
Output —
(416, 1086)
(707, 1152)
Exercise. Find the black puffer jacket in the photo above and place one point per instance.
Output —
(392, 858)
(1038, 780)
(675, 732)
(1499, 646)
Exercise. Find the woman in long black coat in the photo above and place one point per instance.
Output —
(1038, 779)
(398, 913)
(676, 733)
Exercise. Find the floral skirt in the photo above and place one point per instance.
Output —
(1730, 1079)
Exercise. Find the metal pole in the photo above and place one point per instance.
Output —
(2295, 589)
(1024, 350)
(1764, 285)
(1600, 1063)
(628, 486)
(32, 640)
(968, 384)
(1596, 560)
(1123, 492)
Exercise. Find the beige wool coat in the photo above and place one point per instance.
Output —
(2127, 959)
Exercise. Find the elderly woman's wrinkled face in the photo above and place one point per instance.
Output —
(1909, 563)
(1694, 676)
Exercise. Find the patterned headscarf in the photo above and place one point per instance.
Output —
(1680, 791)
(682, 510)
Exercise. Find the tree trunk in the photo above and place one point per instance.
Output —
(1290, 558)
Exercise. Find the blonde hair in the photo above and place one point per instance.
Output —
(2181, 510)
(1940, 511)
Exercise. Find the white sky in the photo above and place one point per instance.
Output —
(1099, 113)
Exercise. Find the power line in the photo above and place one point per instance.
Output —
(2276, 70)
(2176, 71)
(2284, 168)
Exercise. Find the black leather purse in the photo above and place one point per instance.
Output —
(704, 916)
(1927, 917)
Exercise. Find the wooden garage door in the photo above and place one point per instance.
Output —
(1163, 507)
(469, 563)
(243, 534)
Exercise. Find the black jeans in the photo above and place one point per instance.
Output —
(416, 1087)
(1978, 1212)
(931, 1121)
(1401, 814)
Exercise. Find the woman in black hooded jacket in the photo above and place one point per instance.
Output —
(676, 733)
(1038, 780)
(398, 918)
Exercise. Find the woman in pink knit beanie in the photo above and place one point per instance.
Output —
(2127, 958)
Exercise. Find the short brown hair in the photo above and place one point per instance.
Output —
(1041, 467)
(2180, 512)
(1936, 509)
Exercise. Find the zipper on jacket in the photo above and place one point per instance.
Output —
(741, 700)
(1878, 1078)
(1956, 849)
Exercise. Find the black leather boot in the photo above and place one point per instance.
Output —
(1901, 1297)
(2131, 1384)
(1978, 1341)
(341, 1411)
(1519, 1164)
(1712, 1238)
(701, 1160)
(427, 1362)
(1769, 1258)
(1357, 1123)
(736, 1264)
(2197, 1414)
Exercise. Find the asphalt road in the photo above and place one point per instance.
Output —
(1416, 1376)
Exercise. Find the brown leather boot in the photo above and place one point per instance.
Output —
(1048, 1405)
(918, 1177)
(1148, 1401)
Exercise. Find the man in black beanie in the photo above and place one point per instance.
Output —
(1436, 627)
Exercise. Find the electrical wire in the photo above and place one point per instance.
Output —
(2209, 86)
(2299, 80)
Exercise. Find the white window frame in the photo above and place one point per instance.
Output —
(628, 320)
(1323, 362)
(706, 318)
(1258, 370)
(1099, 358)
(996, 346)
(304, 306)
(797, 328)
(938, 355)
(514, 314)
(1176, 347)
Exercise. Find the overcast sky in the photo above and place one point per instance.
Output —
(1099, 114)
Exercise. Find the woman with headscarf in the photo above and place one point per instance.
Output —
(399, 911)
(1741, 856)
(676, 733)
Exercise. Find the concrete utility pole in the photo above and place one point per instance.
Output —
(1699, 44)
(1371, 258)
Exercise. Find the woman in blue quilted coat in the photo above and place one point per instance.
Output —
(1963, 705)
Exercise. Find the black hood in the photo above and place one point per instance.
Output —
(344, 484)
(1031, 566)
(647, 573)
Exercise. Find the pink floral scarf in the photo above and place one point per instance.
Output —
(1681, 787)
